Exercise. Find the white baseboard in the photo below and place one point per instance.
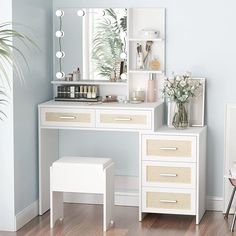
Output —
(124, 198)
(214, 203)
(26, 215)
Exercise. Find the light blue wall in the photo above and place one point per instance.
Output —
(120, 146)
(201, 38)
(36, 21)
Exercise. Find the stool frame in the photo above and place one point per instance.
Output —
(106, 176)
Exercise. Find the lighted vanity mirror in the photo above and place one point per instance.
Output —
(93, 40)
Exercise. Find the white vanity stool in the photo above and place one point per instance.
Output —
(82, 175)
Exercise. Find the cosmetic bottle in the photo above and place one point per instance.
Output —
(85, 92)
(59, 91)
(81, 91)
(74, 76)
(72, 91)
(76, 91)
(94, 92)
(89, 94)
(155, 63)
(151, 91)
(78, 74)
(67, 91)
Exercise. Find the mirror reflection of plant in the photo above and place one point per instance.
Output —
(107, 42)
(8, 60)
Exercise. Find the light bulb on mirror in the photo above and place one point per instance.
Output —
(101, 12)
(60, 75)
(59, 13)
(123, 76)
(60, 54)
(80, 12)
(59, 34)
(123, 55)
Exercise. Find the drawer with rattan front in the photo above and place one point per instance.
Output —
(169, 148)
(67, 117)
(164, 200)
(124, 119)
(168, 174)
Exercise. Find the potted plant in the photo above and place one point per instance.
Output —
(8, 59)
(179, 89)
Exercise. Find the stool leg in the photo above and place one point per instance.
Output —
(233, 222)
(230, 203)
(108, 197)
(56, 204)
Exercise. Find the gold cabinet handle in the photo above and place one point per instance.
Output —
(168, 175)
(123, 119)
(169, 148)
(168, 201)
(68, 117)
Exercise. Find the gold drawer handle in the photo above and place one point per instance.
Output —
(123, 119)
(168, 175)
(169, 148)
(168, 201)
(68, 117)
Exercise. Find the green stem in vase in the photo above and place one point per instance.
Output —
(180, 119)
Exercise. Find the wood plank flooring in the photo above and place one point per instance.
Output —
(86, 220)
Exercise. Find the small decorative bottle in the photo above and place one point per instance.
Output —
(89, 93)
(151, 91)
(155, 63)
(85, 92)
(94, 92)
(78, 73)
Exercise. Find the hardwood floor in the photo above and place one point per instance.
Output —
(86, 220)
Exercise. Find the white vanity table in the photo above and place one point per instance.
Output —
(54, 116)
(171, 162)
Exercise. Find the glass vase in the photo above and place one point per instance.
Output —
(181, 115)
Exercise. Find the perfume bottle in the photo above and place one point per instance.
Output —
(151, 91)
(155, 63)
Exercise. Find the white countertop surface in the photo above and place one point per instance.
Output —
(113, 105)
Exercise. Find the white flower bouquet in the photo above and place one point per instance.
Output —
(179, 89)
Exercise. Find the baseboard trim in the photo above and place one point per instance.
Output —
(214, 203)
(123, 198)
(26, 215)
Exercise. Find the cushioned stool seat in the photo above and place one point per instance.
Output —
(82, 175)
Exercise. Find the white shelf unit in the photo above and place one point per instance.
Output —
(139, 19)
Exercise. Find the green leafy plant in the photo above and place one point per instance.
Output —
(8, 59)
(108, 43)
